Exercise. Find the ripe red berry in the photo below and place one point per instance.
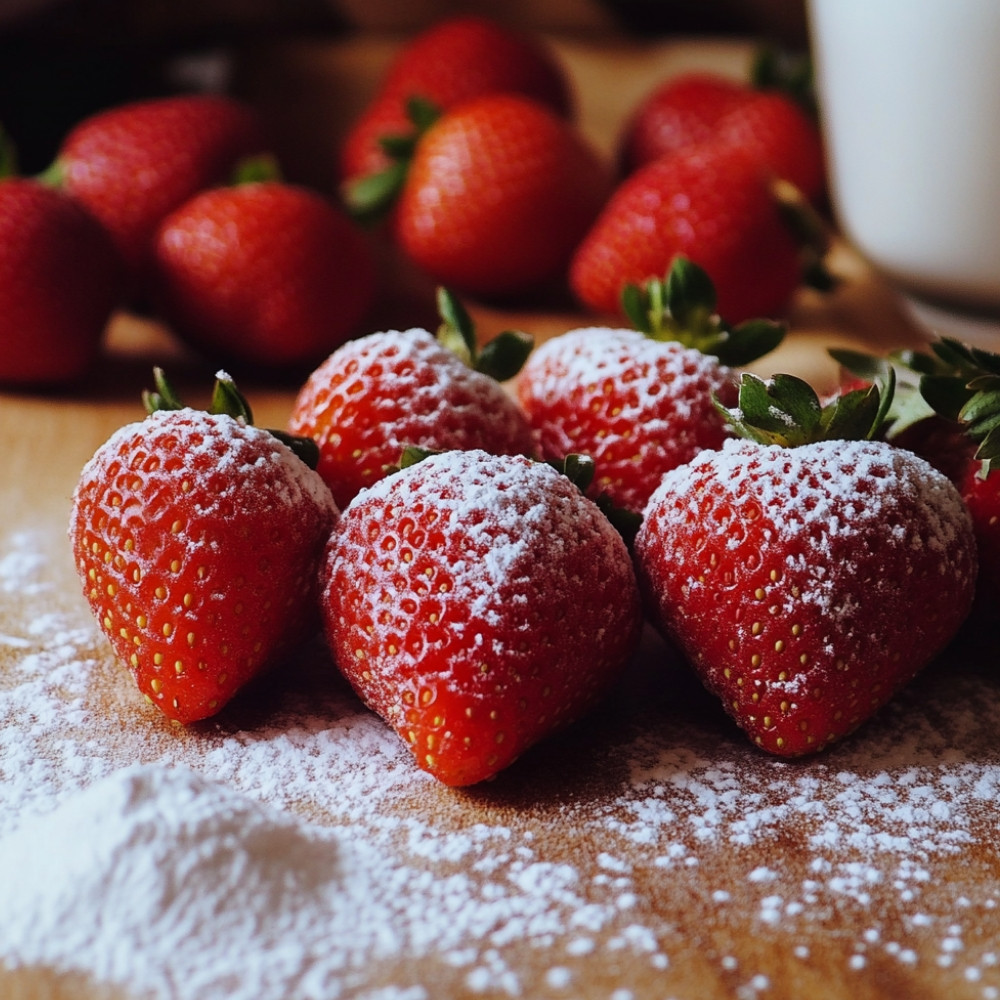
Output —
(60, 279)
(197, 538)
(133, 164)
(378, 394)
(806, 584)
(712, 204)
(457, 59)
(266, 273)
(478, 603)
(498, 194)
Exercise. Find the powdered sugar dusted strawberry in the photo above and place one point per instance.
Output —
(636, 406)
(197, 538)
(478, 603)
(378, 394)
(806, 584)
(640, 403)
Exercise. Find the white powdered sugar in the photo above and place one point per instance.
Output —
(291, 849)
(635, 405)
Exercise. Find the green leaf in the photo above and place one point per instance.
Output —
(457, 331)
(504, 356)
(257, 169)
(946, 395)
(578, 469)
(635, 305)
(228, 400)
(690, 293)
(791, 73)
(748, 341)
(369, 199)
(162, 396)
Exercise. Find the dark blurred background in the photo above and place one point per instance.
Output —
(62, 59)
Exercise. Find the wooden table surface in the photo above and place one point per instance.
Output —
(680, 862)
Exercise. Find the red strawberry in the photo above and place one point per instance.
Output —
(454, 60)
(806, 584)
(498, 194)
(197, 538)
(263, 273)
(640, 403)
(771, 115)
(478, 603)
(961, 385)
(378, 394)
(680, 112)
(59, 282)
(133, 164)
(712, 204)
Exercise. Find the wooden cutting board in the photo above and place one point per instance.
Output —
(648, 853)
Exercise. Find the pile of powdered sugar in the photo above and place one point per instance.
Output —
(304, 855)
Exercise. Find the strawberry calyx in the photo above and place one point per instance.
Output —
(256, 169)
(226, 400)
(682, 308)
(962, 384)
(789, 73)
(579, 470)
(500, 358)
(368, 199)
(785, 410)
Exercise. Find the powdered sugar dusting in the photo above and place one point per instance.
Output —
(638, 407)
(648, 851)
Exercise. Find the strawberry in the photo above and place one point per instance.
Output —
(452, 61)
(772, 115)
(478, 603)
(807, 576)
(639, 402)
(197, 538)
(497, 195)
(782, 137)
(264, 273)
(961, 385)
(133, 164)
(60, 280)
(680, 112)
(712, 204)
(378, 394)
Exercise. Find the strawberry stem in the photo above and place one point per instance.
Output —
(786, 411)
(227, 400)
(370, 198)
(501, 358)
(682, 308)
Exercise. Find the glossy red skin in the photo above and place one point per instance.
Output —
(197, 541)
(454, 60)
(809, 586)
(380, 393)
(982, 497)
(479, 612)
(60, 280)
(499, 193)
(263, 274)
(683, 111)
(695, 108)
(782, 136)
(134, 164)
(713, 204)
